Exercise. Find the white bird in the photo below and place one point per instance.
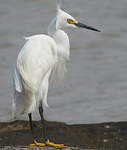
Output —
(38, 59)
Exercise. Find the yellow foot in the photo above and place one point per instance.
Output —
(35, 143)
(48, 143)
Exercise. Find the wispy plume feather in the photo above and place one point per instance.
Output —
(59, 5)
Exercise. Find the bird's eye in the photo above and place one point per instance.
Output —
(71, 21)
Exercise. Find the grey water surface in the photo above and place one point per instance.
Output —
(95, 87)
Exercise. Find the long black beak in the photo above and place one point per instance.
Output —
(81, 25)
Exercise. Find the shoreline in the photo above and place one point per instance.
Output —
(109, 135)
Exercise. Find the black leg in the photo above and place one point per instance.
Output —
(47, 142)
(31, 125)
(43, 122)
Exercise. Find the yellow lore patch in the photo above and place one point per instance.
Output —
(71, 21)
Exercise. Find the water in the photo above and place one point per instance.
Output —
(95, 88)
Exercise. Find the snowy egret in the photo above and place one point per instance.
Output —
(38, 59)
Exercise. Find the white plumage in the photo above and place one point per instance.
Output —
(41, 56)
(33, 69)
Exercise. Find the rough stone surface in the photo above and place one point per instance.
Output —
(36, 148)
(103, 136)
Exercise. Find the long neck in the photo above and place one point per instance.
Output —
(61, 39)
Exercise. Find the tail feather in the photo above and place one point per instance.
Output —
(23, 104)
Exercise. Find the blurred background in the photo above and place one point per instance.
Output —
(95, 88)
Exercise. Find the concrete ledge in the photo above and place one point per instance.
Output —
(102, 136)
(38, 148)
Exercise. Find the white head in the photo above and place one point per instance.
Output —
(63, 20)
